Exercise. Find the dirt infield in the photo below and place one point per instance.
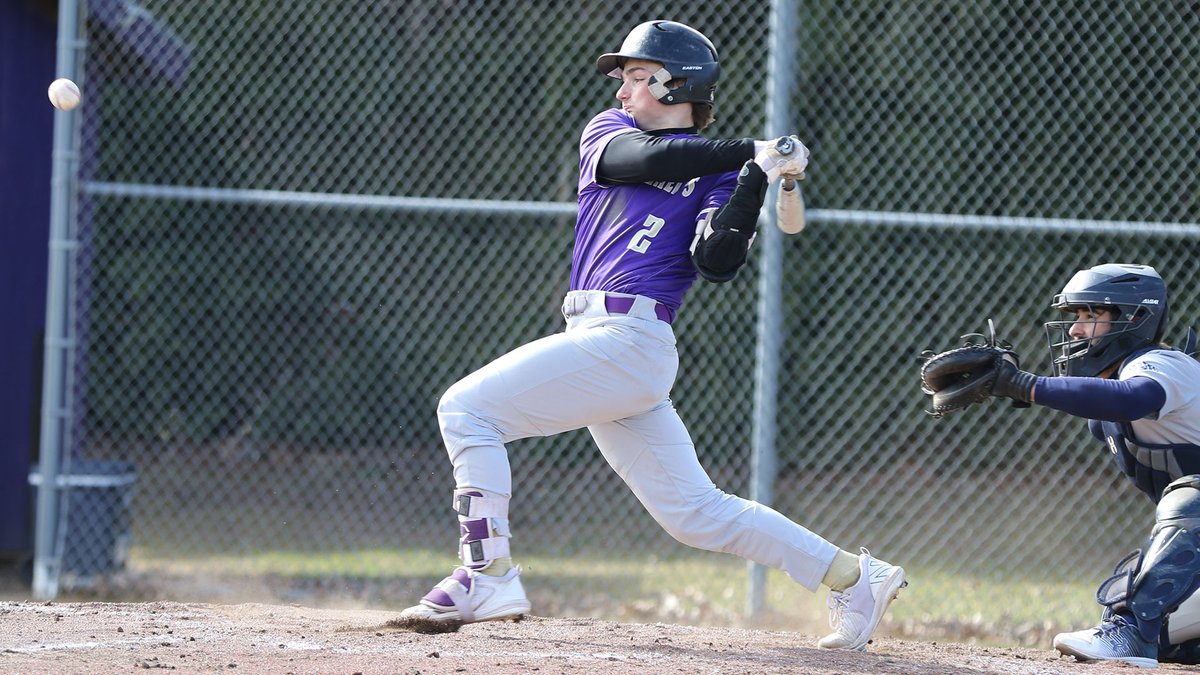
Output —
(37, 637)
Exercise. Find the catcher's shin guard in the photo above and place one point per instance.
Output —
(1149, 585)
(483, 525)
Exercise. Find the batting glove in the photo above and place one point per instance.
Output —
(785, 156)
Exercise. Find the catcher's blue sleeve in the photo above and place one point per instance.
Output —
(1099, 399)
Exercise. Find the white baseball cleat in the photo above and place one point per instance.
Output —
(467, 596)
(1115, 639)
(855, 613)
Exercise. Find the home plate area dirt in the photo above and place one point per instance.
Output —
(94, 637)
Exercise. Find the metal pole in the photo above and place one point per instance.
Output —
(770, 312)
(59, 345)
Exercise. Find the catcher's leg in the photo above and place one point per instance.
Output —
(1181, 638)
(1169, 570)
(1147, 586)
(1181, 643)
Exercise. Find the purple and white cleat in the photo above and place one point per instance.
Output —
(467, 596)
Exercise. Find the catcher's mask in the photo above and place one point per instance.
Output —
(1136, 298)
(684, 53)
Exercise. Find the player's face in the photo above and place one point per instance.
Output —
(636, 99)
(1091, 324)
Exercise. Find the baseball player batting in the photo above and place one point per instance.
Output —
(1142, 399)
(658, 207)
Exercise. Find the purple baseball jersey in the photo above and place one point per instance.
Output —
(636, 239)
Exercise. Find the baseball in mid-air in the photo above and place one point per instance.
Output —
(64, 94)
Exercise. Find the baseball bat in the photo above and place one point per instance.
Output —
(789, 207)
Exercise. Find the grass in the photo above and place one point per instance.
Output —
(702, 589)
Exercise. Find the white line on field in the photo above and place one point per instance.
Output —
(67, 646)
(571, 656)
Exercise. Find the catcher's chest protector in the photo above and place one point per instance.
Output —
(1151, 466)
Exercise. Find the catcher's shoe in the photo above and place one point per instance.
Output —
(467, 596)
(855, 613)
(1115, 639)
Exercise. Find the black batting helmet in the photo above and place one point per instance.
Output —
(1137, 298)
(684, 53)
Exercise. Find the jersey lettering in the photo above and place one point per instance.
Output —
(668, 186)
(641, 240)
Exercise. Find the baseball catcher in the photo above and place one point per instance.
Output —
(1141, 398)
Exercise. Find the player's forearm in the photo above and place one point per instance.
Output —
(1100, 399)
(639, 157)
(720, 247)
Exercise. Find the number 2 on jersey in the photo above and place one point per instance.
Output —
(650, 228)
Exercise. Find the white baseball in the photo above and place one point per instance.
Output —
(64, 94)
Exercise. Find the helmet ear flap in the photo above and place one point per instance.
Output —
(660, 84)
(1162, 322)
(1144, 314)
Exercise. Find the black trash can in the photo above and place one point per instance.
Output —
(99, 501)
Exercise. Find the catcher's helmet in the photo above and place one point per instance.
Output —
(1137, 297)
(684, 53)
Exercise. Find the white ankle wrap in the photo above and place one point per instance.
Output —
(483, 523)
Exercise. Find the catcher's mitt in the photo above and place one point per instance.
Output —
(962, 377)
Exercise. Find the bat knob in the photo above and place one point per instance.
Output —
(784, 145)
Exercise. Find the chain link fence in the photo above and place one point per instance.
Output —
(297, 224)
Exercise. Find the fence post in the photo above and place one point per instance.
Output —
(59, 348)
(770, 305)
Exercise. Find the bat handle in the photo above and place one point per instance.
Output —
(789, 208)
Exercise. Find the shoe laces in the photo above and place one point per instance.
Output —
(1112, 625)
(838, 603)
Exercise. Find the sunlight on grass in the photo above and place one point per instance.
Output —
(702, 589)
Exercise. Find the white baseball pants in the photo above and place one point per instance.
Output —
(613, 374)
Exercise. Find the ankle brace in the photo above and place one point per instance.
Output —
(483, 526)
